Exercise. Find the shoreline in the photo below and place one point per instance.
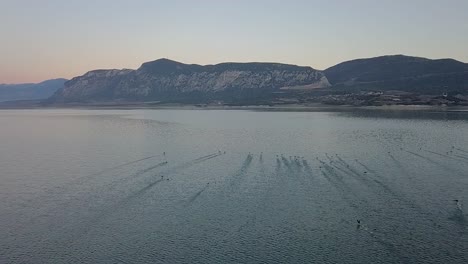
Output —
(286, 107)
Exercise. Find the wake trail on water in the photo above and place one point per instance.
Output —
(372, 183)
(286, 162)
(109, 210)
(346, 193)
(436, 163)
(362, 165)
(196, 195)
(462, 150)
(446, 156)
(337, 182)
(171, 171)
(422, 213)
(232, 183)
(329, 172)
(207, 156)
(397, 163)
(299, 171)
(346, 168)
(144, 189)
(389, 246)
(459, 217)
(87, 225)
(120, 166)
(191, 163)
(81, 179)
(97, 191)
(403, 170)
(461, 156)
(293, 166)
(308, 172)
(135, 175)
(237, 177)
(251, 220)
(143, 171)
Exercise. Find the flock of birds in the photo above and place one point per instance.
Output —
(299, 159)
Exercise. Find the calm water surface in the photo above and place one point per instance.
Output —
(186, 186)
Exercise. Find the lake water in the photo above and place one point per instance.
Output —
(212, 186)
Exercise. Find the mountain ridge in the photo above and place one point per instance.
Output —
(165, 80)
(30, 91)
(402, 72)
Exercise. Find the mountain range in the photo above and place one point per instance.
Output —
(165, 80)
(30, 91)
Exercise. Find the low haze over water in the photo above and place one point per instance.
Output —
(213, 186)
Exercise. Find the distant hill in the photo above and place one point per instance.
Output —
(30, 91)
(167, 80)
(398, 72)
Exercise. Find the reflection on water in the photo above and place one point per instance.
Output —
(178, 186)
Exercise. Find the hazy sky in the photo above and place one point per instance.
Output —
(43, 39)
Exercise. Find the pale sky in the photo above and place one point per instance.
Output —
(45, 39)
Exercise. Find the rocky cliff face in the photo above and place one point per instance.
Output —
(165, 79)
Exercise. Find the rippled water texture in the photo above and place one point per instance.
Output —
(180, 186)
